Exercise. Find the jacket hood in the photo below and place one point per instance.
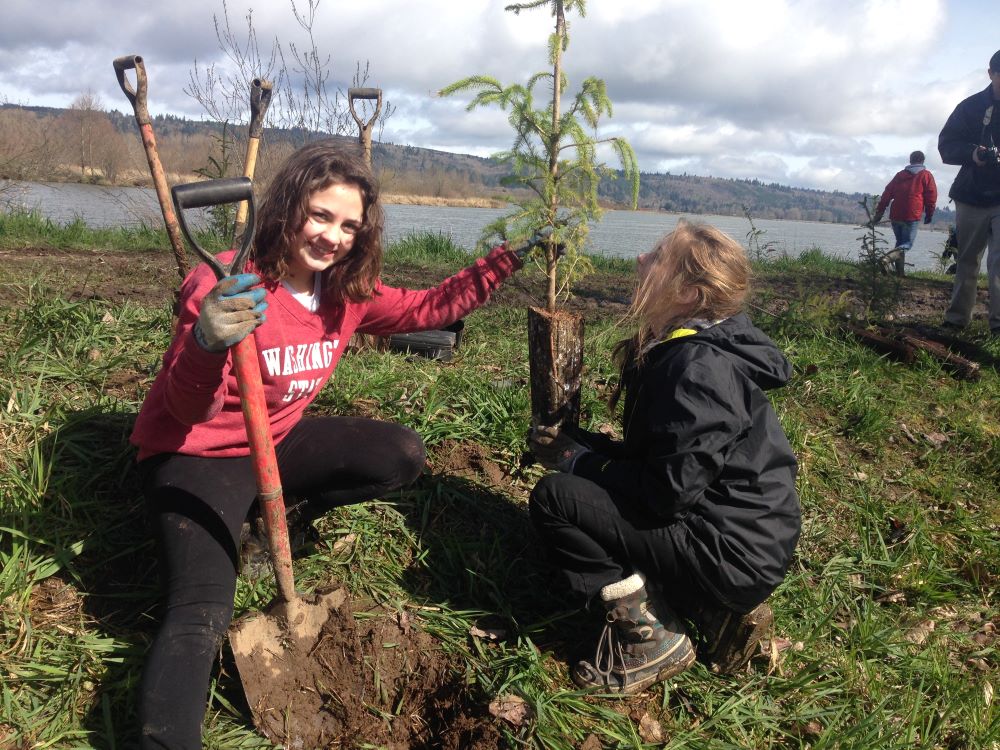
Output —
(752, 352)
(915, 168)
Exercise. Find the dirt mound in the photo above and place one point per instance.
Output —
(467, 460)
(368, 681)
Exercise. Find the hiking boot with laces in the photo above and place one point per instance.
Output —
(643, 642)
(727, 639)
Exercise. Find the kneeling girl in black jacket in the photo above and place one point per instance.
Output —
(694, 514)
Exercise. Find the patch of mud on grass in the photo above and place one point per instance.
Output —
(374, 680)
(468, 460)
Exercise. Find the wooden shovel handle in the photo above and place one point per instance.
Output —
(136, 95)
(364, 93)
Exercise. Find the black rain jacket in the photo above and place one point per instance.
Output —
(961, 134)
(705, 454)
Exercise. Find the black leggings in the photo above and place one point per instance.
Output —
(197, 507)
(597, 539)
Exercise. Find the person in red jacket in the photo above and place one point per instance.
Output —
(912, 193)
(312, 281)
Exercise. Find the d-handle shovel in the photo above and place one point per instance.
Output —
(272, 648)
(137, 96)
(365, 128)
(247, 370)
(260, 100)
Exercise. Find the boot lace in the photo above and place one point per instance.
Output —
(610, 654)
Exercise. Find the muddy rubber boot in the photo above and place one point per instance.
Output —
(727, 639)
(643, 642)
(901, 263)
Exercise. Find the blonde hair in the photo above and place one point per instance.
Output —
(695, 262)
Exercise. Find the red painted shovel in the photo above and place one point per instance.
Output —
(247, 369)
(137, 97)
(272, 648)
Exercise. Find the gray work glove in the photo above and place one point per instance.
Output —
(538, 239)
(230, 312)
(554, 449)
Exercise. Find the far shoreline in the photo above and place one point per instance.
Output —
(400, 199)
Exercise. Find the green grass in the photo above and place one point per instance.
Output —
(900, 530)
(811, 261)
(427, 247)
(29, 228)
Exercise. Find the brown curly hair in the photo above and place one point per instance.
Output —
(285, 208)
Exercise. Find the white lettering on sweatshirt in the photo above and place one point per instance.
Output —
(292, 360)
(301, 388)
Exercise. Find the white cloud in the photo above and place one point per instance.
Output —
(805, 92)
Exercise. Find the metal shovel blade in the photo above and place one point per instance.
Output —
(274, 653)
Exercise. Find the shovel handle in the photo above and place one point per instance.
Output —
(246, 367)
(364, 93)
(136, 95)
(265, 463)
(213, 193)
(260, 100)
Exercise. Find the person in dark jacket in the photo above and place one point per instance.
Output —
(912, 193)
(694, 515)
(970, 138)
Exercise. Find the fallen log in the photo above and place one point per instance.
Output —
(961, 367)
(885, 344)
(905, 345)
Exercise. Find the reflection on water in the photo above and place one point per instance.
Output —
(619, 233)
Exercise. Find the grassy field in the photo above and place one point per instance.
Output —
(886, 628)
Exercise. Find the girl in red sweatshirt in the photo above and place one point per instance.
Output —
(311, 283)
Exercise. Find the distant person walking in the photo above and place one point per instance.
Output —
(912, 193)
(970, 138)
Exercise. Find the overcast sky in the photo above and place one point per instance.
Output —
(828, 94)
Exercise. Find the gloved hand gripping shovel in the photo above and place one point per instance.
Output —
(259, 641)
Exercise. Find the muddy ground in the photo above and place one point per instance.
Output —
(375, 680)
(381, 679)
(150, 276)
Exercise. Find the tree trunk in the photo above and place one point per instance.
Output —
(555, 360)
(551, 256)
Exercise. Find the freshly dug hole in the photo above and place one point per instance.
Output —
(369, 681)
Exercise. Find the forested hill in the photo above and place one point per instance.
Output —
(680, 193)
(410, 170)
(710, 195)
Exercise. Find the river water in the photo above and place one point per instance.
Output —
(619, 233)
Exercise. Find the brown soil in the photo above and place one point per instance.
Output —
(372, 681)
(468, 461)
(150, 277)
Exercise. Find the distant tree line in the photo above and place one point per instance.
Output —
(86, 143)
